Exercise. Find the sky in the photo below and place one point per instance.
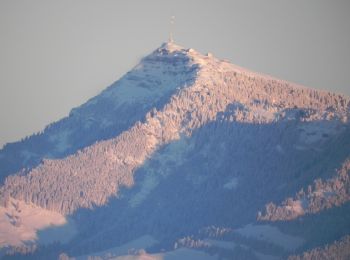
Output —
(55, 55)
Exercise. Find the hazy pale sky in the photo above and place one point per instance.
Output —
(54, 55)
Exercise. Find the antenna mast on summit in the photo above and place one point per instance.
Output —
(172, 22)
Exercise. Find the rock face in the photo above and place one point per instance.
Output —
(184, 142)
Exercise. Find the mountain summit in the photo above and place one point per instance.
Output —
(189, 156)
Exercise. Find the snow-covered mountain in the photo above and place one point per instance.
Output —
(188, 156)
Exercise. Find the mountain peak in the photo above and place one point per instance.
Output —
(171, 46)
(174, 50)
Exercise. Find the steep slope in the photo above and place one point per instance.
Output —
(211, 149)
(149, 85)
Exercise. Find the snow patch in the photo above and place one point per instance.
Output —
(221, 244)
(174, 154)
(27, 155)
(105, 123)
(228, 245)
(61, 140)
(279, 149)
(21, 222)
(231, 184)
(271, 234)
(149, 183)
(133, 246)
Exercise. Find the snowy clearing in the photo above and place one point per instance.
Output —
(20, 223)
(131, 247)
(271, 234)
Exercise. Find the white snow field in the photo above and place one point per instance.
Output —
(20, 223)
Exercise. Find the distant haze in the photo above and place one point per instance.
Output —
(54, 55)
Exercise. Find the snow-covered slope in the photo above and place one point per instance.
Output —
(148, 85)
(20, 222)
(218, 90)
(184, 141)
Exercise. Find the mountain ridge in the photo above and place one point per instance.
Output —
(164, 126)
